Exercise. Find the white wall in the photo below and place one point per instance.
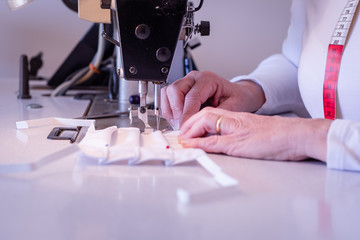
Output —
(243, 32)
(43, 25)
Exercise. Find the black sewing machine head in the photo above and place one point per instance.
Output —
(149, 32)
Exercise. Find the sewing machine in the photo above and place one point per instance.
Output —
(150, 37)
(148, 33)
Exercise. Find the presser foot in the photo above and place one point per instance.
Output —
(149, 118)
(143, 114)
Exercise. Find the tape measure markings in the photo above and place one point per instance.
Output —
(334, 56)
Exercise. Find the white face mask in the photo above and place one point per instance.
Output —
(16, 4)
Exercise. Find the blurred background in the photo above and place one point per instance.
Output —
(243, 32)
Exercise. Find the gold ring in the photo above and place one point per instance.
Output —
(218, 125)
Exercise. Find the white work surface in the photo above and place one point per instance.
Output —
(70, 199)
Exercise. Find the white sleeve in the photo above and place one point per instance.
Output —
(278, 74)
(343, 145)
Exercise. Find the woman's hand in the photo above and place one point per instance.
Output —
(183, 98)
(254, 136)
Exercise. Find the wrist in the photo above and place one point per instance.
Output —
(254, 95)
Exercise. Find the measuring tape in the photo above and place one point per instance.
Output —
(334, 56)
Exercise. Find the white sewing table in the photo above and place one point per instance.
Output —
(71, 200)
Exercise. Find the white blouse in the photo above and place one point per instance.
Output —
(293, 81)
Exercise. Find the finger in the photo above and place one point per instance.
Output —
(206, 121)
(203, 123)
(211, 144)
(194, 119)
(176, 93)
(199, 125)
(203, 89)
(165, 105)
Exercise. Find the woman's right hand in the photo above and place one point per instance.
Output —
(183, 98)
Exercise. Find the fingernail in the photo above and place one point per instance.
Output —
(175, 124)
(185, 144)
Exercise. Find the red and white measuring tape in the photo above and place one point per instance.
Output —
(334, 56)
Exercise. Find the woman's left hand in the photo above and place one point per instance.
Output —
(254, 136)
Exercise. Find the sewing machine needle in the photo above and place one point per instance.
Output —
(157, 103)
(157, 122)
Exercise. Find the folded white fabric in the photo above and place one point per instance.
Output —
(113, 145)
(128, 145)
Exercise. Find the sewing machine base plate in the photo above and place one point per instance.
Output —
(101, 106)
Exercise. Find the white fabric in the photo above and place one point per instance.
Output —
(112, 145)
(36, 123)
(54, 121)
(344, 136)
(300, 70)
